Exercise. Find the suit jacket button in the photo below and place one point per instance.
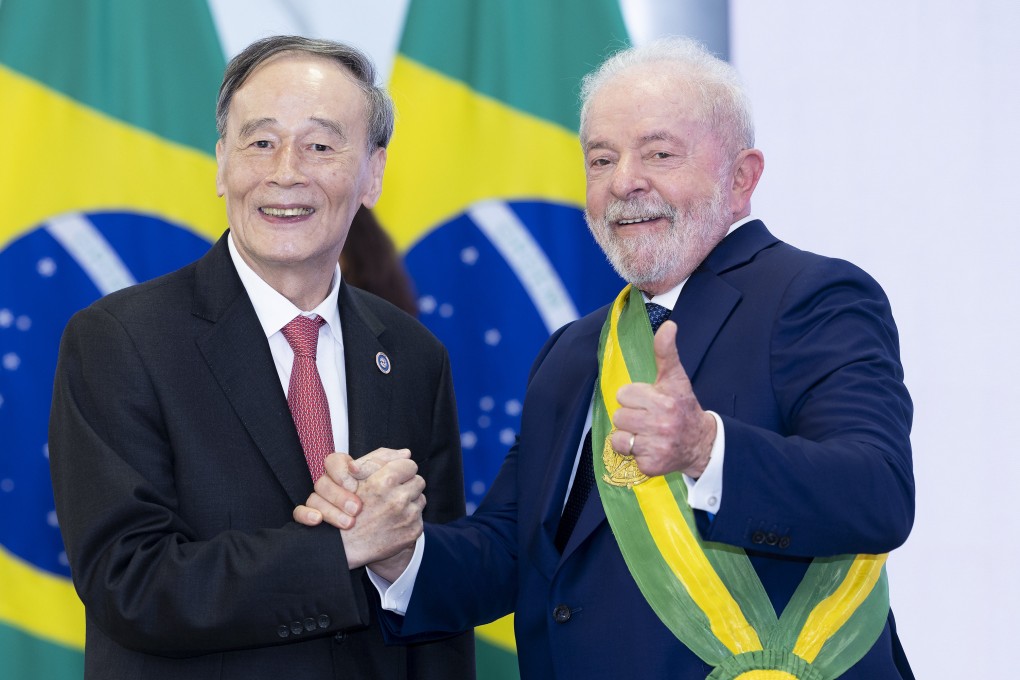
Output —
(296, 627)
(283, 631)
(771, 538)
(324, 621)
(339, 637)
(758, 537)
(784, 542)
(561, 613)
(309, 624)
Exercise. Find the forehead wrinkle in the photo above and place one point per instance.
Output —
(660, 136)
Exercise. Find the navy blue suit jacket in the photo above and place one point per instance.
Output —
(799, 356)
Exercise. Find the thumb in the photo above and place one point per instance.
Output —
(667, 361)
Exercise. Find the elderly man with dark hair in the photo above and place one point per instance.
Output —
(714, 498)
(192, 413)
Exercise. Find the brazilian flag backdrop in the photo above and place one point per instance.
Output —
(107, 178)
(483, 189)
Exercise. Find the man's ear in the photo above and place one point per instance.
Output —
(746, 173)
(377, 164)
(220, 160)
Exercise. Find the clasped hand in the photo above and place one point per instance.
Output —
(662, 424)
(376, 501)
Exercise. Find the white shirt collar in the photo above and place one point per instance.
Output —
(669, 298)
(273, 309)
(739, 223)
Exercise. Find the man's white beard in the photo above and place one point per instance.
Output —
(649, 258)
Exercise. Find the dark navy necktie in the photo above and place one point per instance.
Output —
(656, 315)
(584, 479)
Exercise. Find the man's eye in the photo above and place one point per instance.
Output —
(600, 162)
(661, 154)
(320, 147)
(261, 144)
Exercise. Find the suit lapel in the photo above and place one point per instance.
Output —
(238, 356)
(369, 390)
(700, 312)
(577, 378)
(707, 300)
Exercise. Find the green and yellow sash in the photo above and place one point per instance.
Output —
(708, 594)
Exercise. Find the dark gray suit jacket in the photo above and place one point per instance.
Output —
(176, 466)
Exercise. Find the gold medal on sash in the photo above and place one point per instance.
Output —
(621, 470)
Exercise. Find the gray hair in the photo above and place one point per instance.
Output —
(724, 103)
(352, 60)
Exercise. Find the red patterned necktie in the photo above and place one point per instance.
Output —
(305, 396)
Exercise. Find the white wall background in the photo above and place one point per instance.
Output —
(889, 132)
(889, 129)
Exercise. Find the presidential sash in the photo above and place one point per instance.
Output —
(708, 594)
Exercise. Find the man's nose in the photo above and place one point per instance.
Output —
(286, 170)
(629, 177)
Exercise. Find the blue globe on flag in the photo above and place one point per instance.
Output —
(46, 275)
(493, 284)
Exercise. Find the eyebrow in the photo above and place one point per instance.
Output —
(661, 136)
(599, 144)
(253, 125)
(654, 136)
(331, 126)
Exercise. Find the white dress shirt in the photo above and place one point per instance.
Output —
(274, 312)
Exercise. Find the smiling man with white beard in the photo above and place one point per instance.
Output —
(715, 497)
(645, 258)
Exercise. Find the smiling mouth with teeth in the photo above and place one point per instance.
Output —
(637, 220)
(286, 212)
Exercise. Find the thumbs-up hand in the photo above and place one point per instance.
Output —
(662, 425)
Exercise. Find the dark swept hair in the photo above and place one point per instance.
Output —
(352, 60)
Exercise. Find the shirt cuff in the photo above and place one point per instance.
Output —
(705, 492)
(394, 597)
